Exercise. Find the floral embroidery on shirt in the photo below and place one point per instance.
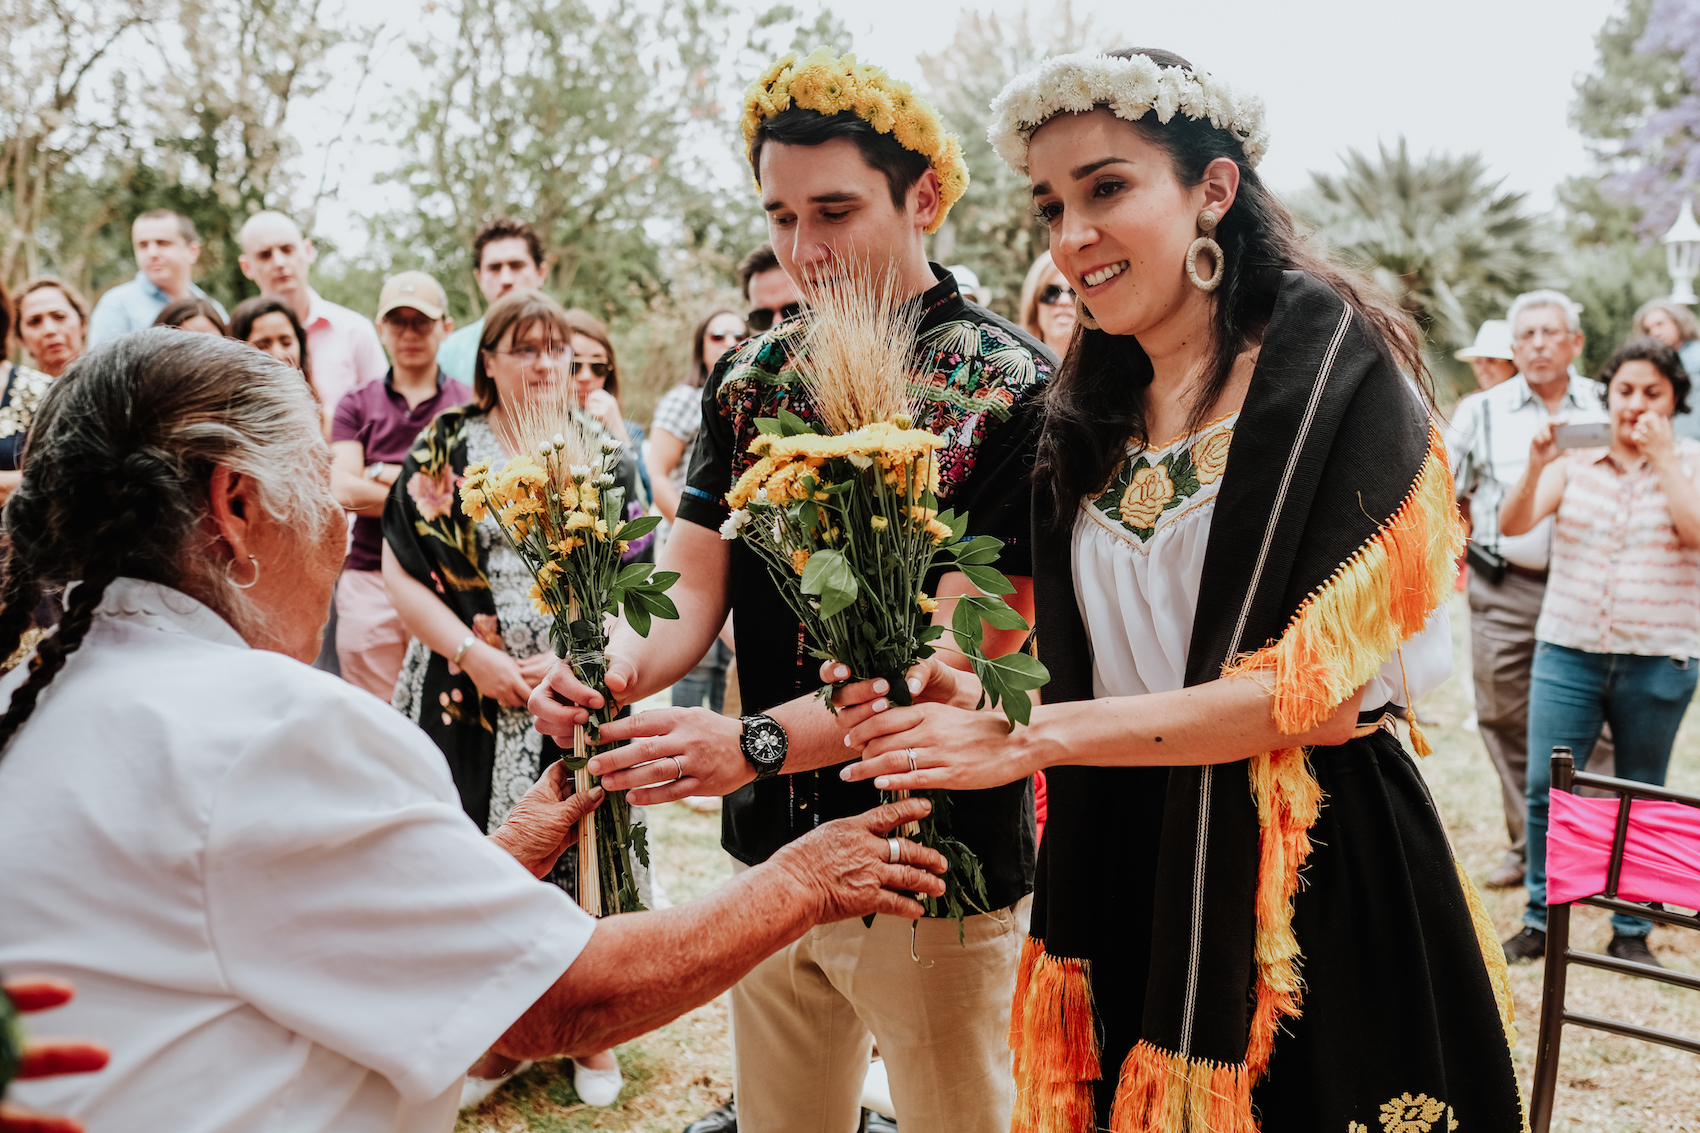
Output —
(28, 388)
(1143, 490)
(968, 376)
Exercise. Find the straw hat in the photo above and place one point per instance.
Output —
(1493, 340)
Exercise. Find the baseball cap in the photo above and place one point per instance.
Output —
(413, 289)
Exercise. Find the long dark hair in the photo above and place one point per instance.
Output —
(179, 311)
(1096, 403)
(249, 311)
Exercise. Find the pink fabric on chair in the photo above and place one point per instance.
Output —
(1661, 853)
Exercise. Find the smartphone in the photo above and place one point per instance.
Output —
(1582, 434)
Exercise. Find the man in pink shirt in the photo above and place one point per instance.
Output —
(342, 343)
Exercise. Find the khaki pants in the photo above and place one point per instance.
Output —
(805, 1020)
(1502, 648)
(370, 639)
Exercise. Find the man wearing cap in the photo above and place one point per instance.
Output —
(1488, 444)
(374, 427)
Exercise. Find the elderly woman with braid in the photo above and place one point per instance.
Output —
(276, 913)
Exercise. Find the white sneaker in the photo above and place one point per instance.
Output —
(475, 1091)
(596, 1087)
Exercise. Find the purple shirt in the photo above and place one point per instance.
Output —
(379, 418)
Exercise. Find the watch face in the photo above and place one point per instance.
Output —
(764, 741)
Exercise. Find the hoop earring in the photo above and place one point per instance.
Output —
(1083, 316)
(1207, 222)
(229, 575)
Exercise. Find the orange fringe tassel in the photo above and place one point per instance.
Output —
(1378, 599)
(1054, 1040)
(1161, 1092)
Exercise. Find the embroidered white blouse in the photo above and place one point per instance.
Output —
(1139, 558)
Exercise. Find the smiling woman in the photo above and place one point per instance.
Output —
(1251, 538)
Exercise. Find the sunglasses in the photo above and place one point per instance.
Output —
(763, 318)
(1056, 293)
(597, 369)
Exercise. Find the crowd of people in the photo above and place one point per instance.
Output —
(342, 899)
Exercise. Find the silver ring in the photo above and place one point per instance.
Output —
(894, 850)
(911, 753)
(678, 770)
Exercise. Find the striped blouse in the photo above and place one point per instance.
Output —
(1621, 581)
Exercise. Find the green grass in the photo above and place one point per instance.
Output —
(1606, 1084)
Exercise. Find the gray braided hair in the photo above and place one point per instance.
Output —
(117, 475)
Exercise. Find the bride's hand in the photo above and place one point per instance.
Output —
(939, 746)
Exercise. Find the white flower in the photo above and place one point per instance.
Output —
(544, 450)
(860, 461)
(1130, 88)
(560, 442)
(604, 480)
(579, 471)
(734, 524)
(761, 494)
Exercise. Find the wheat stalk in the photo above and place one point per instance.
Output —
(860, 342)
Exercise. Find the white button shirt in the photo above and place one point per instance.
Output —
(1488, 445)
(261, 882)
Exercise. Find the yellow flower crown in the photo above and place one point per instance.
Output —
(832, 83)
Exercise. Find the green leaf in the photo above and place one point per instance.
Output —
(658, 604)
(995, 612)
(827, 575)
(988, 580)
(958, 524)
(791, 425)
(982, 550)
(638, 618)
(967, 625)
(638, 528)
(634, 575)
(661, 580)
(768, 425)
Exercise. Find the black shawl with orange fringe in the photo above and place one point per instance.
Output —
(1162, 957)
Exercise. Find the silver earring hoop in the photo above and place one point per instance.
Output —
(1083, 316)
(1205, 244)
(230, 575)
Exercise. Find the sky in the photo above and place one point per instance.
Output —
(1490, 76)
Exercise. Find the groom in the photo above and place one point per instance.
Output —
(854, 172)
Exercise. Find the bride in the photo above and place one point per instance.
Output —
(1243, 535)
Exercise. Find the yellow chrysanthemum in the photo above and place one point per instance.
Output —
(928, 605)
(938, 531)
(878, 522)
(602, 529)
(799, 560)
(833, 84)
(577, 521)
(566, 546)
(540, 601)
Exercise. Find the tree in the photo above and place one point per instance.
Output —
(1642, 108)
(65, 100)
(993, 228)
(1613, 263)
(1448, 244)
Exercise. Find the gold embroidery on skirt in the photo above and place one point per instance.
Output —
(1407, 1114)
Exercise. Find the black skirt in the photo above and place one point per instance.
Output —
(1400, 1022)
(1400, 1028)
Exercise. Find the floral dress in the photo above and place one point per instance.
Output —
(494, 752)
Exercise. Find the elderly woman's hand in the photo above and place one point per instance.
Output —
(540, 827)
(847, 864)
(47, 1058)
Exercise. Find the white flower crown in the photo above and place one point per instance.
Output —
(1130, 88)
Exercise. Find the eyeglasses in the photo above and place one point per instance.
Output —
(1056, 293)
(763, 318)
(531, 355)
(729, 336)
(597, 369)
(418, 324)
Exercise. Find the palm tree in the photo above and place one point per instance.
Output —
(1443, 240)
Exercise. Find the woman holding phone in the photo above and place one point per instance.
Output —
(1619, 630)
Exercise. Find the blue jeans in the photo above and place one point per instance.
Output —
(705, 682)
(1571, 693)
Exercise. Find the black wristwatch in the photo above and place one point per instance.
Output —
(764, 743)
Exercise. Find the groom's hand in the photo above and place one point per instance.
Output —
(674, 753)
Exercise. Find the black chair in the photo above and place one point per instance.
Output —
(1560, 955)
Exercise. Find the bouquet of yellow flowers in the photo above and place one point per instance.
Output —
(845, 513)
(558, 507)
